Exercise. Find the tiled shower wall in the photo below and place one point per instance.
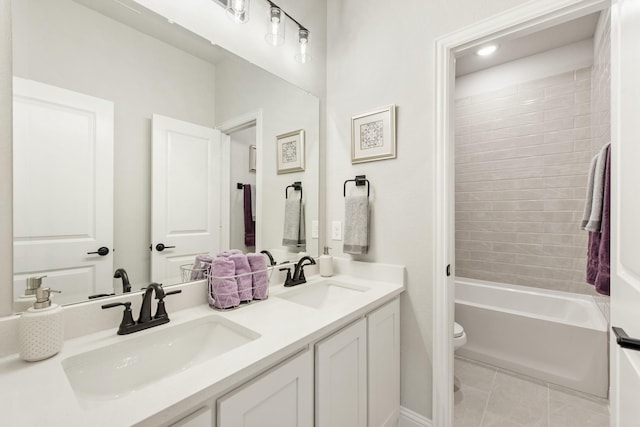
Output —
(522, 158)
(601, 87)
(601, 103)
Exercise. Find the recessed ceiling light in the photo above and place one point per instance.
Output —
(487, 50)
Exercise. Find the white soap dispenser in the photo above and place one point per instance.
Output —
(326, 263)
(41, 328)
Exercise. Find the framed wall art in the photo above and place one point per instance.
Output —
(252, 158)
(373, 135)
(290, 155)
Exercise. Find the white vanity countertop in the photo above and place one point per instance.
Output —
(37, 394)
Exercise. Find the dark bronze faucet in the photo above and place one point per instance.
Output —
(272, 262)
(121, 273)
(298, 273)
(145, 321)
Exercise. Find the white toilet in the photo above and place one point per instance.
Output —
(459, 337)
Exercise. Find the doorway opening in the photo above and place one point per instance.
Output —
(241, 157)
(486, 151)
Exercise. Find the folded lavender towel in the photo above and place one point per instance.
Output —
(258, 265)
(243, 276)
(229, 252)
(223, 289)
(200, 265)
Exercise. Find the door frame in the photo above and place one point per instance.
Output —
(518, 21)
(235, 124)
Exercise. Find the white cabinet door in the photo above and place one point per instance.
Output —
(282, 397)
(383, 341)
(185, 195)
(63, 189)
(341, 378)
(203, 417)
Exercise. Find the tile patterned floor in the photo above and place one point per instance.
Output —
(491, 397)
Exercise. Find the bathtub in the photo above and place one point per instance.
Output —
(554, 336)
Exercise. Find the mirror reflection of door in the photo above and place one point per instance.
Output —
(241, 212)
(63, 191)
(185, 196)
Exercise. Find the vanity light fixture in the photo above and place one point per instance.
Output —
(275, 32)
(304, 55)
(487, 50)
(238, 11)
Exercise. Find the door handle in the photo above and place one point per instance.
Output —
(103, 251)
(161, 247)
(624, 340)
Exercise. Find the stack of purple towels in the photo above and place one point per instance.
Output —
(235, 277)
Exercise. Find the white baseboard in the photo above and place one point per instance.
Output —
(408, 418)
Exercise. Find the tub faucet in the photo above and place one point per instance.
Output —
(298, 274)
(121, 273)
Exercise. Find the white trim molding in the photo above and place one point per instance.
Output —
(408, 418)
(516, 22)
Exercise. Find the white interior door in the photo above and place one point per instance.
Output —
(625, 230)
(63, 189)
(185, 196)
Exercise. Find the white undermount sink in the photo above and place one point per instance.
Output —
(113, 371)
(322, 294)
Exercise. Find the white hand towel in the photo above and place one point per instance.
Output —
(356, 224)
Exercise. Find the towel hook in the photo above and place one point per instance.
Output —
(359, 180)
(240, 186)
(297, 186)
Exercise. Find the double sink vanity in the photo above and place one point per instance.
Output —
(322, 353)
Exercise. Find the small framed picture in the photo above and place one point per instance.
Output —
(252, 158)
(373, 135)
(290, 155)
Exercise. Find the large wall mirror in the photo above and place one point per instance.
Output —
(138, 145)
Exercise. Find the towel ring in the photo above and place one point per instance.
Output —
(296, 186)
(359, 180)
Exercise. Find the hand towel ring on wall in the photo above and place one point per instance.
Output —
(359, 180)
(296, 186)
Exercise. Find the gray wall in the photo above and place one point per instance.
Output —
(379, 55)
(243, 88)
(68, 45)
(6, 165)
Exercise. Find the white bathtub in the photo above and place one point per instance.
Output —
(557, 337)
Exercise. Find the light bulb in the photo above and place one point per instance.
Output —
(238, 11)
(487, 50)
(275, 25)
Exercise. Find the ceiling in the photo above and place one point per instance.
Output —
(130, 13)
(531, 44)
